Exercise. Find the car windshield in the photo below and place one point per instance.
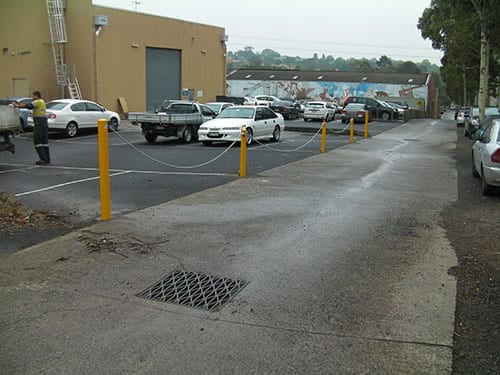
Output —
(488, 111)
(353, 106)
(215, 107)
(56, 105)
(237, 112)
(282, 104)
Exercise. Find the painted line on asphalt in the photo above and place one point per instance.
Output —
(18, 169)
(66, 184)
(91, 169)
(116, 172)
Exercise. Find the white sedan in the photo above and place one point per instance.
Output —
(70, 115)
(260, 122)
(486, 157)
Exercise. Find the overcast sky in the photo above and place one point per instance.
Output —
(347, 28)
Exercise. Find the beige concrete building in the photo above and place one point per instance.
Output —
(112, 53)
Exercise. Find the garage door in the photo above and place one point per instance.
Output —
(163, 76)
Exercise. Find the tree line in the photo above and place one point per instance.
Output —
(468, 32)
(248, 58)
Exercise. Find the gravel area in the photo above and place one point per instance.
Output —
(472, 226)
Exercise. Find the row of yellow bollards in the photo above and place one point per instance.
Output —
(102, 135)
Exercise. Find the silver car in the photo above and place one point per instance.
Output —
(357, 111)
(486, 157)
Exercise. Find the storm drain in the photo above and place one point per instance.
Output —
(194, 289)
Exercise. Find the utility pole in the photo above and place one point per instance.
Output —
(136, 3)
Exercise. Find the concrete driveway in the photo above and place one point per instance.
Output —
(344, 257)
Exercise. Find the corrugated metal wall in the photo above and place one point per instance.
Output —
(163, 76)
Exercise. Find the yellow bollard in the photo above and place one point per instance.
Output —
(351, 132)
(102, 136)
(322, 149)
(243, 152)
(366, 124)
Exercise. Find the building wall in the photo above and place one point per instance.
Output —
(322, 90)
(111, 64)
(24, 47)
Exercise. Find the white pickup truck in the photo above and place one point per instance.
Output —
(179, 119)
(9, 126)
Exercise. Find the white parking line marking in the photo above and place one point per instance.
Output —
(18, 169)
(117, 172)
(90, 169)
(66, 184)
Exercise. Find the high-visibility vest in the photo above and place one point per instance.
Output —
(39, 108)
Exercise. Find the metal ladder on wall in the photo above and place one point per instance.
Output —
(57, 27)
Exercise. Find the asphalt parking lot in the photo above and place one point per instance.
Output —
(142, 174)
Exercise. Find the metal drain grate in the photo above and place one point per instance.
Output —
(194, 290)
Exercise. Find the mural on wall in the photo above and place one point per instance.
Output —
(330, 91)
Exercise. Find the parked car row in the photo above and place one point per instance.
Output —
(292, 104)
(472, 122)
(378, 109)
(461, 114)
(486, 156)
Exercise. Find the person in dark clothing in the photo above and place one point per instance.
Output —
(40, 127)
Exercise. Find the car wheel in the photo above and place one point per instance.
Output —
(71, 129)
(151, 138)
(188, 134)
(249, 136)
(113, 124)
(385, 116)
(487, 189)
(206, 143)
(474, 171)
(276, 134)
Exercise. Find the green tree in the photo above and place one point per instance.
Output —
(408, 67)
(361, 65)
(384, 64)
(468, 33)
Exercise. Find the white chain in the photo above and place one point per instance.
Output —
(173, 165)
(302, 146)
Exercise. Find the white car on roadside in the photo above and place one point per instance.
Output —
(486, 157)
(260, 123)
